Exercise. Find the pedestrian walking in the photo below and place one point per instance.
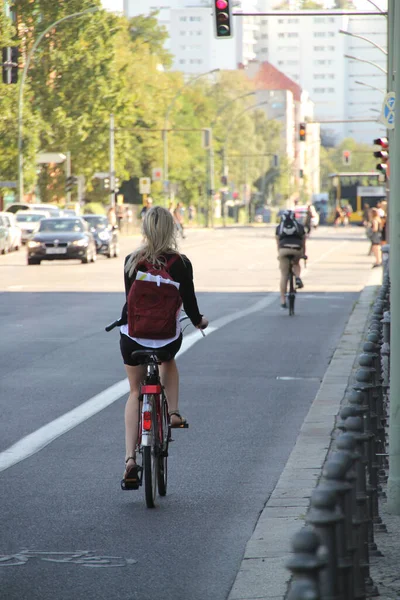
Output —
(178, 218)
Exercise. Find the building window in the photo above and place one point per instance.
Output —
(280, 62)
(281, 35)
(182, 61)
(319, 76)
(319, 90)
(292, 20)
(319, 34)
(331, 48)
(182, 33)
(331, 33)
(319, 19)
(293, 35)
(280, 21)
(182, 18)
(319, 48)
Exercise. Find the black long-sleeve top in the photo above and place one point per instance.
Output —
(182, 272)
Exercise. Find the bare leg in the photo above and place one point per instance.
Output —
(135, 376)
(376, 248)
(170, 380)
(297, 269)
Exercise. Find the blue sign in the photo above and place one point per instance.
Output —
(388, 110)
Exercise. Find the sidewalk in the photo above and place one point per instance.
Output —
(263, 574)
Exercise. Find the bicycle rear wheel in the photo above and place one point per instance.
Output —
(162, 470)
(291, 295)
(150, 475)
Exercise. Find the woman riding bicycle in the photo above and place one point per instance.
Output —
(159, 248)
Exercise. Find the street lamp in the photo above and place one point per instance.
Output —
(361, 37)
(370, 86)
(21, 92)
(366, 61)
(165, 132)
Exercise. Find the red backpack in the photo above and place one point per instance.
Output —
(153, 303)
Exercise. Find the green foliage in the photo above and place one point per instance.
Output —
(362, 160)
(94, 208)
(90, 66)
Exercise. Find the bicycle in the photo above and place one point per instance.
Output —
(154, 426)
(291, 294)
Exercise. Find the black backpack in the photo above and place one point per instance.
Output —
(289, 227)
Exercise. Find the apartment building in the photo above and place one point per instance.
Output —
(311, 51)
(191, 34)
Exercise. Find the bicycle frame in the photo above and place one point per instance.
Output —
(151, 395)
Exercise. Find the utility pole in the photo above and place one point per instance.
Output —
(394, 419)
(68, 173)
(112, 165)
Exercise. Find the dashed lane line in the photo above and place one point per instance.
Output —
(42, 437)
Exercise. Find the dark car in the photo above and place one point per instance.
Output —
(105, 235)
(62, 238)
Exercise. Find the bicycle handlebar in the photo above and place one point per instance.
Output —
(118, 323)
(114, 324)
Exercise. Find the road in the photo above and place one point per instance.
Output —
(245, 390)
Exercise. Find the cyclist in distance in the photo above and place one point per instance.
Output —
(291, 241)
(158, 250)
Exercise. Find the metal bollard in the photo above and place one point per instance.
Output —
(306, 564)
(334, 479)
(367, 362)
(324, 515)
(303, 590)
(385, 351)
(373, 337)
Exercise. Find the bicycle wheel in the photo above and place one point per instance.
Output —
(150, 475)
(292, 294)
(162, 471)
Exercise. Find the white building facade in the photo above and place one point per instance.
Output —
(311, 51)
(191, 34)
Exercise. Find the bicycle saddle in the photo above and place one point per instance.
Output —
(148, 354)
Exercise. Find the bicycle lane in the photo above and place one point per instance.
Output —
(66, 498)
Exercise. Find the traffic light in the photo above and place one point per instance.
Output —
(223, 20)
(10, 64)
(383, 154)
(346, 157)
(70, 182)
(224, 180)
(302, 132)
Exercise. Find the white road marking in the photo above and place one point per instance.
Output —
(42, 437)
(284, 378)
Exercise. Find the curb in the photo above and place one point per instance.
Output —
(263, 574)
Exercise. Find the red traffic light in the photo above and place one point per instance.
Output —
(302, 132)
(223, 18)
(383, 142)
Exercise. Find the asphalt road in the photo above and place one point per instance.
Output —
(245, 390)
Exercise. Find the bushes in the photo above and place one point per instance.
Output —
(94, 208)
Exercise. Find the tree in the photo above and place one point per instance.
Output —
(362, 160)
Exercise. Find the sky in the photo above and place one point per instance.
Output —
(117, 5)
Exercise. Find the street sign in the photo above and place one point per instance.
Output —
(101, 175)
(370, 191)
(388, 110)
(8, 184)
(157, 174)
(50, 157)
(144, 185)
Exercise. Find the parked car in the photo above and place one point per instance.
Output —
(62, 238)
(28, 221)
(3, 239)
(105, 235)
(14, 232)
(54, 211)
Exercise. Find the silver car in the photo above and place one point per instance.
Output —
(28, 221)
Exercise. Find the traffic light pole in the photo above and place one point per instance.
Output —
(394, 420)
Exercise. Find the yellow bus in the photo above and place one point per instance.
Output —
(355, 190)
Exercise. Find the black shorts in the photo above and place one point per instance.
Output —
(128, 346)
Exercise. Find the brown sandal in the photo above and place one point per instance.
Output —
(133, 477)
(183, 424)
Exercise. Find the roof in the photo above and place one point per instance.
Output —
(269, 77)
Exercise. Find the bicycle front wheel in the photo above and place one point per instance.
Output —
(150, 475)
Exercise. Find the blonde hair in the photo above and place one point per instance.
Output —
(159, 237)
(375, 214)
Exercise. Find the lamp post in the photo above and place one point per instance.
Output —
(370, 86)
(361, 37)
(366, 61)
(211, 150)
(21, 92)
(165, 130)
(229, 130)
